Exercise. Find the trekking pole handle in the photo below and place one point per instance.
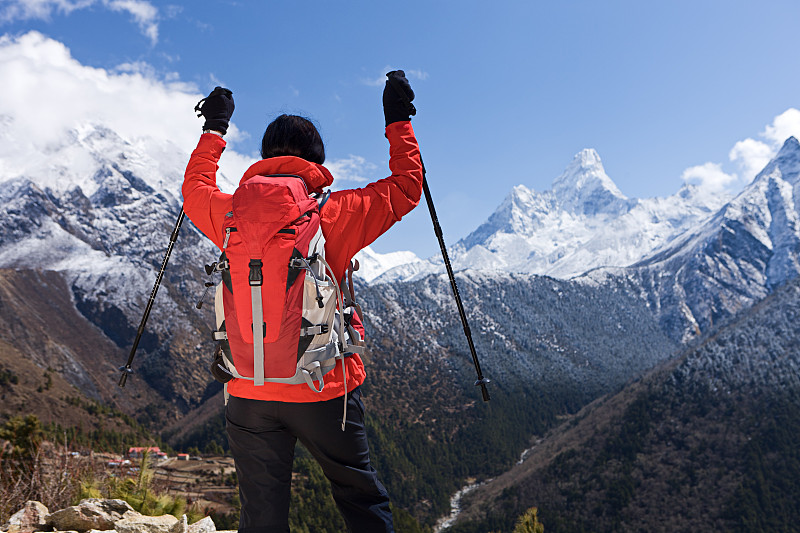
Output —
(126, 369)
(402, 94)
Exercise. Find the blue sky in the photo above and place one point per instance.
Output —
(507, 92)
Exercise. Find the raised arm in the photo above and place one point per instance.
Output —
(354, 218)
(203, 202)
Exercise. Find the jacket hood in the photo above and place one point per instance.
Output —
(315, 176)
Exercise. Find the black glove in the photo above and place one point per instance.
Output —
(217, 109)
(397, 97)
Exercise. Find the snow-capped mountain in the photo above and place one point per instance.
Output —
(90, 206)
(99, 210)
(766, 211)
(583, 222)
(373, 264)
(730, 261)
(695, 258)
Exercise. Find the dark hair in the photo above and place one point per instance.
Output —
(293, 135)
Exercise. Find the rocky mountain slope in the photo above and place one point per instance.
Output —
(102, 225)
(57, 365)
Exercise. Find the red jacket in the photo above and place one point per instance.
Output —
(351, 219)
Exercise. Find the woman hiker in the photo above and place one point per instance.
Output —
(264, 422)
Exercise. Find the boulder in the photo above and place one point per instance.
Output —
(32, 517)
(181, 526)
(204, 525)
(146, 524)
(91, 513)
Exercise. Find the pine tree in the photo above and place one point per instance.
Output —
(529, 522)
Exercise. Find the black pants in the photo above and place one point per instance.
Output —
(262, 437)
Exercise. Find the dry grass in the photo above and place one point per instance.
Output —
(49, 475)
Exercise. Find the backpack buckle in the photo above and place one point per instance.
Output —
(217, 267)
(256, 278)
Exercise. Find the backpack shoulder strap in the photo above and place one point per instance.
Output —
(322, 199)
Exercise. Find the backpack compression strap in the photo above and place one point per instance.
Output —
(256, 279)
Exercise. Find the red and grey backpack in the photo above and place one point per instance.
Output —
(282, 316)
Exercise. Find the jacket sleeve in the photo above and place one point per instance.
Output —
(203, 202)
(354, 218)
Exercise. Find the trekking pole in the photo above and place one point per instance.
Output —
(126, 370)
(437, 229)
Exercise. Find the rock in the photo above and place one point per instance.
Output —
(181, 526)
(146, 524)
(91, 513)
(205, 525)
(32, 517)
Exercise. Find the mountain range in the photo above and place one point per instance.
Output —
(583, 222)
(571, 293)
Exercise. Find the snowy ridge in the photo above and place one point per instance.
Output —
(583, 222)
(765, 213)
(100, 210)
(372, 264)
(730, 261)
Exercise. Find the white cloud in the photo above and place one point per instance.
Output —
(143, 13)
(751, 155)
(710, 177)
(380, 80)
(377, 81)
(785, 125)
(417, 74)
(353, 168)
(47, 93)
(40, 9)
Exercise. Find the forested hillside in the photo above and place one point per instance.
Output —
(707, 443)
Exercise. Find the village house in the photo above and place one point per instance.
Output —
(153, 451)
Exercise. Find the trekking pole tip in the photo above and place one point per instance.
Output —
(126, 370)
(484, 390)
